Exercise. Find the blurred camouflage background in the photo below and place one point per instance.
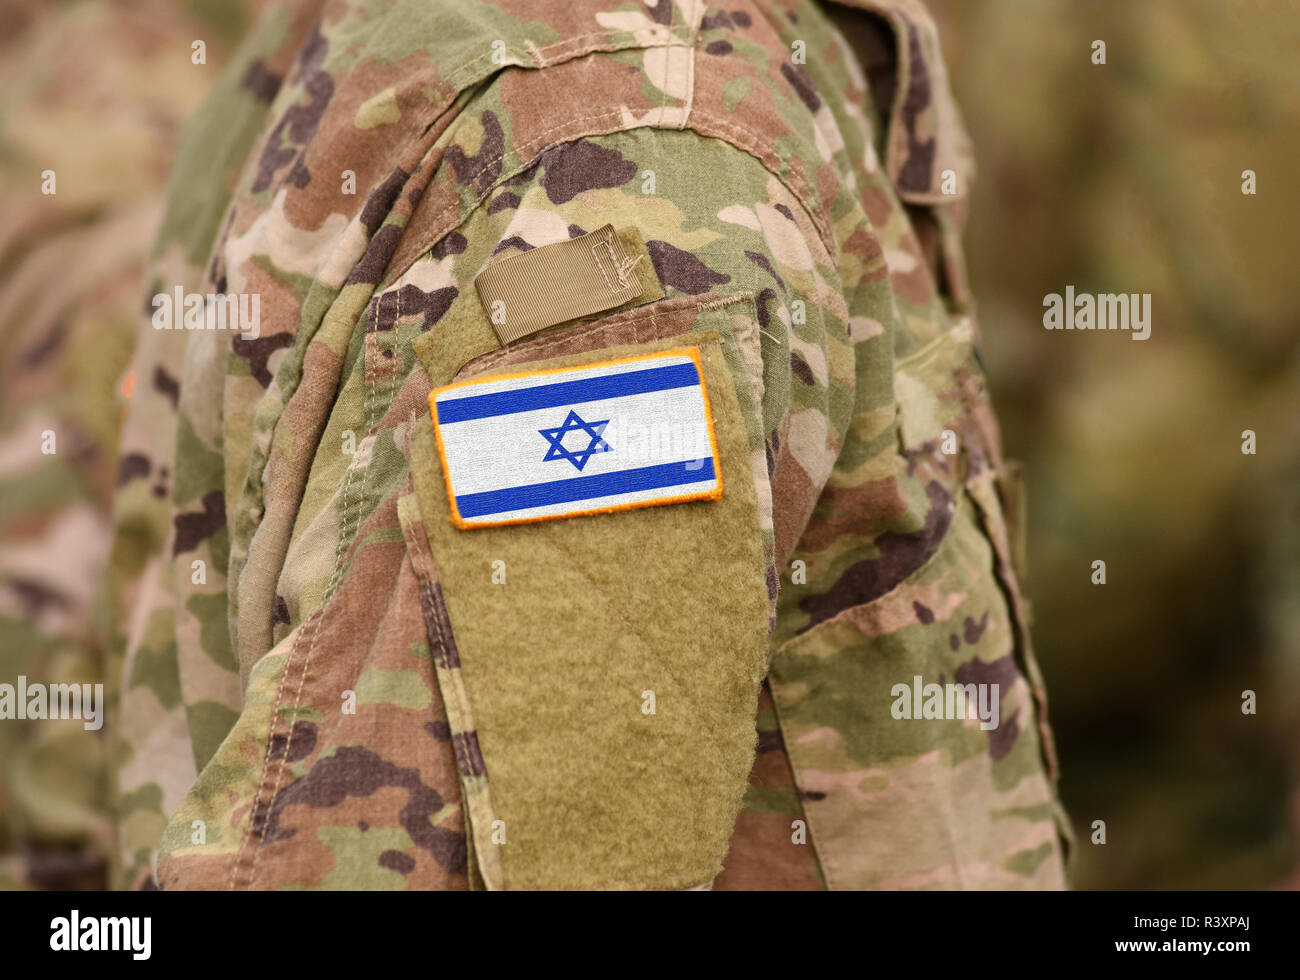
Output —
(1127, 177)
(1122, 177)
(96, 92)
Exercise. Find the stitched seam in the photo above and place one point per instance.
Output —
(310, 625)
(452, 694)
(283, 760)
(657, 42)
(724, 301)
(697, 18)
(518, 150)
(751, 144)
(540, 62)
(318, 614)
(787, 176)
(437, 234)
(539, 59)
(797, 186)
(663, 103)
(595, 258)
(627, 266)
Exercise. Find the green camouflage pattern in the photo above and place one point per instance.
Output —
(290, 712)
(1129, 175)
(72, 256)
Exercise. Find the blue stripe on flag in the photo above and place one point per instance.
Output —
(584, 487)
(567, 393)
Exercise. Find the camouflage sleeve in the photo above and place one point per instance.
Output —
(596, 661)
(383, 687)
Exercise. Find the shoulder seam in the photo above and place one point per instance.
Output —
(790, 180)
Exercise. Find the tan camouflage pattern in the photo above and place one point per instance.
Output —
(97, 94)
(287, 566)
(1130, 175)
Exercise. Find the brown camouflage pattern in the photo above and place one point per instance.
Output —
(97, 94)
(779, 190)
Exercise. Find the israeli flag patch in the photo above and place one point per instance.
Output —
(562, 442)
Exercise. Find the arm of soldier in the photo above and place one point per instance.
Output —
(587, 685)
(611, 663)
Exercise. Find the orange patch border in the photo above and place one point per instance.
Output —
(692, 352)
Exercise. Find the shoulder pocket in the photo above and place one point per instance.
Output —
(602, 671)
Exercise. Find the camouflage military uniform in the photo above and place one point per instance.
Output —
(326, 683)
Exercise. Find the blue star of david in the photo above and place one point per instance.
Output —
(575, 423)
